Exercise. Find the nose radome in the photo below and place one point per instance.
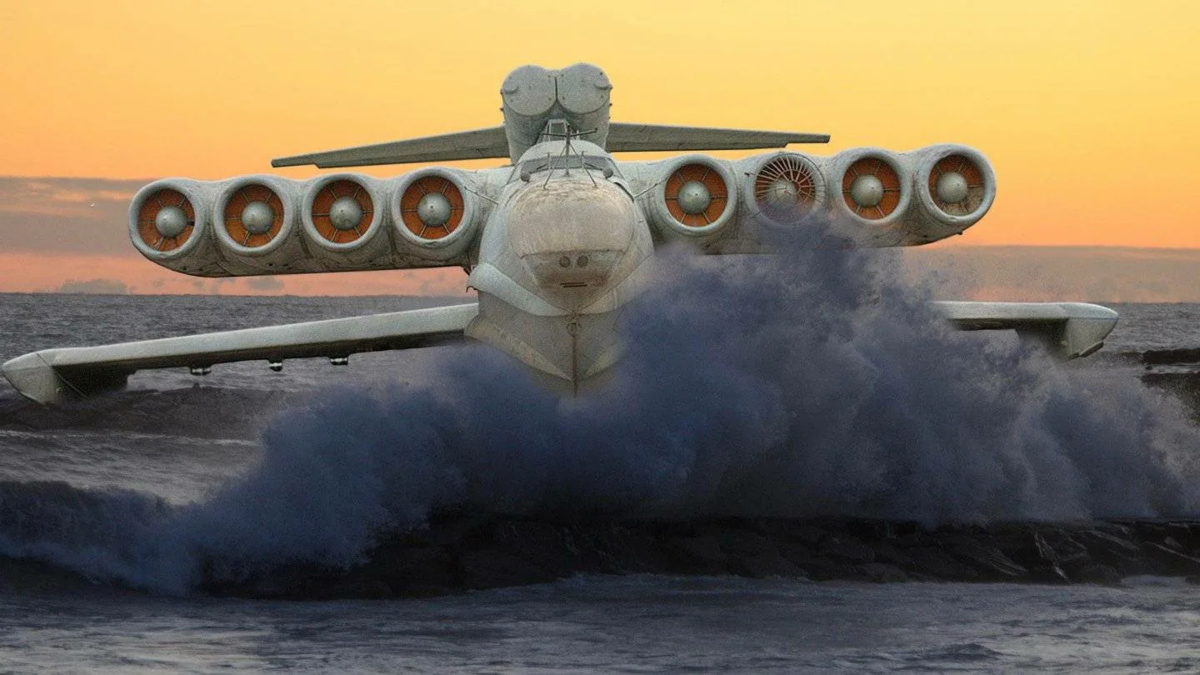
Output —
(571, 234)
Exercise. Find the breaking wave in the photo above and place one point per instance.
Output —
(816, 383)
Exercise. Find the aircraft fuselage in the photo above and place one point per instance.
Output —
(562, 251)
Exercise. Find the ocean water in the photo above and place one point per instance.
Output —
(103, 502)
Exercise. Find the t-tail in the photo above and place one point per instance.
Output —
(540, 105)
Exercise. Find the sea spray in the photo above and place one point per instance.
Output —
(812, 383)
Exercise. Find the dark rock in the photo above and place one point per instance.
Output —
(870, 531)
(811, 563)
(820, 569)
(1173, 562)
(882, 573)
(451, 532)
(735, 543)
(1097, 573)
(1058, 546)
(846, 550)
(767, 564)
(1158, 357)
(617, 549)
(1110, 548)
(357, 589)
(493, 568)
(935, 563)
(1187, 535)
(544, 546)
(461, 551)
(886, 552)
(806, 533)
(409, 571)
(696, 555)
(989, 561)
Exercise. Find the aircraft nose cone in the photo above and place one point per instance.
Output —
(572, 234)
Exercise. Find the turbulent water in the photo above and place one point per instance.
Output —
(751, 388)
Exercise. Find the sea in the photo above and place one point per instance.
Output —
(173, 439)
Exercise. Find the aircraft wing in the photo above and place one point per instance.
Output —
(1068, 329)
(57, 375)
(488, 143)
(626, 137)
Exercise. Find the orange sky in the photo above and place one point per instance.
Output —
(1088, 109)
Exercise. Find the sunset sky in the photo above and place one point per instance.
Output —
(1088, 109)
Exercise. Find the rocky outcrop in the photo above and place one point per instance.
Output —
(1184, 385)
(466, 551)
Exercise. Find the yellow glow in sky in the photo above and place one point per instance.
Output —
(1088, 109)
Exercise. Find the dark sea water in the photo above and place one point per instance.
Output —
(87, 583)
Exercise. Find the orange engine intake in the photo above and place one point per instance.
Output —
(432, 207)
(956, 185)
(253, 216)
(696, 195)
(871, 188)
(342, 211)
(166, 220)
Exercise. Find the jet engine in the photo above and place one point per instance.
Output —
(955, 187)
(889, 199)
(434, 213)
(784, 189)
(169, 223)
(343, 216)
(257, 225)
(872, 188)
(696, 199)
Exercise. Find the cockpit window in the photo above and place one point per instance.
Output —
(568, 163)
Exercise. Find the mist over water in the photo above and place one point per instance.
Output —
(814, 383)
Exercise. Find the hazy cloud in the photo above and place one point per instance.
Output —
(65, 214)
(94, 287)
(264, 284)
(1035, 273)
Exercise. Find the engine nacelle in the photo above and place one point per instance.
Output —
(170, 223)
(872, 195)
(434, 213)
(784, 189)
(695, 199)
(955, 187)
(258, 226)
(908, 199)
(344, 215)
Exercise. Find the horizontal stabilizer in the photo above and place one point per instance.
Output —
(1068, 329)
(491, 143)
(623, 137)
(56, 375)
(486, 143)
